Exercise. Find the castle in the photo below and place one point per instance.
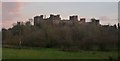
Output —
(56, 19)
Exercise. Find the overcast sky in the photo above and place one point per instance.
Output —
(12, 12)
(61, 0)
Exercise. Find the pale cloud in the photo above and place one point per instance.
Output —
(107, 20)
(104, 18)
(60, 0)
(11, 11)
(0, 15)
(0, 4)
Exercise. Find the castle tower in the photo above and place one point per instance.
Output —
(94, 21)
(74, 18)
(37, 20)
(82, 20)
(55, 18)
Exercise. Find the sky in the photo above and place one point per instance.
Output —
(60, 0)
(13, 11)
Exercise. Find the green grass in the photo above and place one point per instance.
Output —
(51, 53)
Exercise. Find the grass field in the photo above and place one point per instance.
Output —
(51, 53)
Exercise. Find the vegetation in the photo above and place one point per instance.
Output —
(67, 37)
(51, 53)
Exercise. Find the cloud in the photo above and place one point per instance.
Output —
(104, 18)
(108, 20)
(62, 0)
(0, 15)
(11, 11)
(0, 4)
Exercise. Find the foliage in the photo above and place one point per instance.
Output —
(51, 53)
(67, 37)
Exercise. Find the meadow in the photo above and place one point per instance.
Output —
(52, 53)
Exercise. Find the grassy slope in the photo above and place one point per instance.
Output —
(50, 53)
